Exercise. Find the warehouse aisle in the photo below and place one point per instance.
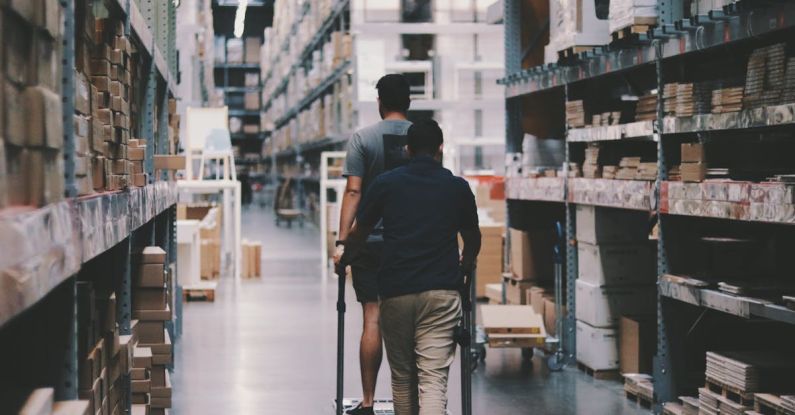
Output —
(268, 347)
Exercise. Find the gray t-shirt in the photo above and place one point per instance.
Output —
(374, 150)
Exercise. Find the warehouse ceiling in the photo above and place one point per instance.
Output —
(259, 15)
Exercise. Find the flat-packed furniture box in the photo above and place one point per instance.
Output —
(597, 347)
(532, 254)
(637, 343)
(603, 306)
(600, 225)
(490, 257)
(610, 264)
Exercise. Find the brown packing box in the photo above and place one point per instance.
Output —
(150, 275)
(161, 348)
(140, 386)
(17, 166)
(169, 162)
(71, 408)
(160, 402)
(100, 67)
(116, 167)
(693, 153)
(18, 47)
(48, 17)
(142, 357)
(39, 402)
(531, 254)
(151, 255)
(82, 94)
(549, 315)
(141, 399)
(114, 151)
(14, 113)
(637, 344)
(490, 257)
(537, 299)
(139, 179)
(162, 391)
(43, 130)
(693, 172)
(158, 376)
(45, 177)
(139, 373)
(153, 315)
(515, 291)
(98, 172)
(149, 332)
(161, 359)
(136, 153)
(149, 299)
(47, 64)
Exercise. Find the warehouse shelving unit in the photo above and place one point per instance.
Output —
(48, 250)
(657, 57)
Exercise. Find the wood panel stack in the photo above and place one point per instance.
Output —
(692, 99)
(606, 118)
(628, 168)
(670, 91)
(789, 82)
(590, 167)
(104, 356)
(251, 265)
(764, 81)
(42, 402)
(726, 100)
(694, 162)
(154, 350)
(575, 114)
(31, 158)
(616, 276)
(646, 109)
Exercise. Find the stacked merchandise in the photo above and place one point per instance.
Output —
(616, 266)
(575, 114)
(673, 408)
(694, 162)
(490, 258)
(690, 405)
(788, 402)
(104, 356)
(727, 100)
(574, 170)
(606, 118)
(153, 352)
(210, 240)
(764, 82)
(646, 171)
(639, 386)
(609, 172)
(31, 166)
(789, 82)
(626, 13)
(692, 99)
(590, 167)
(670, 94)
(42, 402)
(532, 272)
(646, 109)
(251, 265)
(628, 168)
(173, 125)
(573, 24)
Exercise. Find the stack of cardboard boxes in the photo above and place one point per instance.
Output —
(153, 352)
(31, 160)
(694, 162)
(616, 277)
(251, 265)
(104, 355)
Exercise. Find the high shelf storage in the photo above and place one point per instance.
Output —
(64, 228)
(711, 90)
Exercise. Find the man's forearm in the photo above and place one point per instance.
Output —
(469, 253)
(350, 203)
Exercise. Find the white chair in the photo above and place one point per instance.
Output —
(218, 147)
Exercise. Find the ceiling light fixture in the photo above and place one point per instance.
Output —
(240, 17)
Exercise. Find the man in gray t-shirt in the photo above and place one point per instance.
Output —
(372, 151)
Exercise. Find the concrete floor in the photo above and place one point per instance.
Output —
(268, 346)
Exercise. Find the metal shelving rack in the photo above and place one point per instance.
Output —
(336, 20)
(674, 38)
(63, 237)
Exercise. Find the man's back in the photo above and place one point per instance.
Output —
(423, 207)
(376, 149)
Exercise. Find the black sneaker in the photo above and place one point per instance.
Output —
(361, 410)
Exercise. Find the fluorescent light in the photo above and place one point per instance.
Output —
(240, 17)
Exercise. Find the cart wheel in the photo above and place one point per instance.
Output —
(555, 362)
(527, 353)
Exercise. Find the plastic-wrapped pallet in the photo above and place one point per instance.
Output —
(574, 23)
(625, 13)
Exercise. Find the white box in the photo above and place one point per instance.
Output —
(597, 347)
(603, 306)
(597, 225)
(613, 264)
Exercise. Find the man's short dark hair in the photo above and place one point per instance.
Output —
(424, 137)
(393, 91)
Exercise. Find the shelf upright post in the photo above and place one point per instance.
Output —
(123, 259)
(670, 11)
(664, 388)
(68, 96)
(569, 335)
(67, 378)
(513, 110)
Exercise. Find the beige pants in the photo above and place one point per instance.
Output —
(418, 335)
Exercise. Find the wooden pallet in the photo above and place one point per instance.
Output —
(767, 404)
(729, 392)
(640, 400)
(572, 53)
(630, 32)
(611, 374)
(199, 292)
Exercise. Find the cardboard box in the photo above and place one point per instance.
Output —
(169, 162)
(47, 65)
(515, 291)
(693, 153)
(142, 357)
(638, 343)
(140, 386)
(617, 263)
(550, 316)
(598, 225)
(490, 258)
(151, 255)
(149, 299)
(45, 178)
(18, 47)
(150, 332)
(39, 402)
(139, 373)
(693, 172)
(150, 275)
(162, 391)
(158, 375)
(597, 347)
(82, 94)
(15, 117)
(532, 254)
(43, 130)
(603, 306)
(537, 299)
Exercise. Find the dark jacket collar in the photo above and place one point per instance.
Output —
(424, 160)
